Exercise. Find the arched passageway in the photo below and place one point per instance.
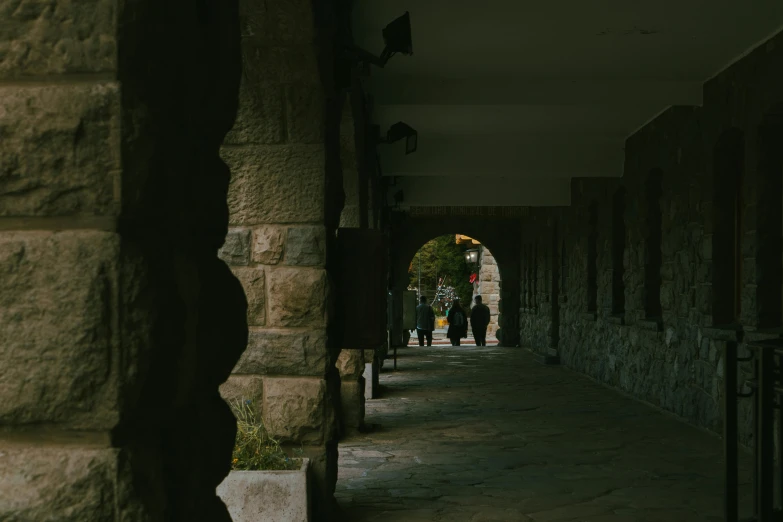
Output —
(500, 235)
(455, 268)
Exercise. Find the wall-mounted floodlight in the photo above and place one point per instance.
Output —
(397, 132)
(402, 130)
(396, 39)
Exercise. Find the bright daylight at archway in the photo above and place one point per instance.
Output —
(450, 269)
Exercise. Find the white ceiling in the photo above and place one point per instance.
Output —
(519, 95)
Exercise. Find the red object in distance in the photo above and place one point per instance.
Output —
(472, 278)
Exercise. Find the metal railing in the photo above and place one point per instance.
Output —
(766, 391)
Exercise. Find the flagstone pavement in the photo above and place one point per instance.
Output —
(486, 434)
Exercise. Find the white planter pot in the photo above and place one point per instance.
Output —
(267, 496)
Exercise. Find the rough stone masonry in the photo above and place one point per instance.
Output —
(285, 154)
(650, 281)
(488, 286)
(118, 319)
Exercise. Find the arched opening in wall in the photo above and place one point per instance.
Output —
(534, 296)
(563, 272)
(528, 276)
(769, 226)
(555, 286)
(728, 167)
(592, 259)
(652, 246)
(546, 272)
(523, 280)
(618, 252)
(453, 271)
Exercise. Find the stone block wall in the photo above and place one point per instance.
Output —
(351, 364)
(488, 287)
(352, 156)
(356, 213)
(665, 343)
(284, 202)
(118, 320)
(538, 297)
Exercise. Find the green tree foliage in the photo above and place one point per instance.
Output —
(442, 257)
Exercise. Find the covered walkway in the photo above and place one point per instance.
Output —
(486, 434)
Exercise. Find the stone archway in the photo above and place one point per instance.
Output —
(500, 235)
(488, 285)
(486, 281)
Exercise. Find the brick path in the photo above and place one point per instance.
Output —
(485, 434)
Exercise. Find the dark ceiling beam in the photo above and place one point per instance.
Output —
(500, 120)
(396, 90)
(468, 191)
(507, 156)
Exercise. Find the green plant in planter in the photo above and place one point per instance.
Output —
(254, 448)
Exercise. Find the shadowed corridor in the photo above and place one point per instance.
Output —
(486, 434)
(205, 203)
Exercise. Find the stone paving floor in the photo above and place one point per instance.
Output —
(439, 338)
(486, 434)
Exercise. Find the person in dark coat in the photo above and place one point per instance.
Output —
(479, 320)
(458, 323)
(425, 321)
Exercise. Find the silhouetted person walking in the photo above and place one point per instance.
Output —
(479, 320)
(425, 321)
(458, 323)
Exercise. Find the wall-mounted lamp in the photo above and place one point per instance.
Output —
(402, 130)
(471, 256)
(396, 39)
(397, 132)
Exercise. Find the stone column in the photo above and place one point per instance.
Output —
(350, 363)
(117, 320)
(352, 387)
(277, 242)
(489, 287)
(372, 372)
(349, 217)
(510, 299)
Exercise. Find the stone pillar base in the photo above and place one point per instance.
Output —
(372, 372)
(350, 364)
(352, 401)
(323, 479)
(550, 358)
(546, 359)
